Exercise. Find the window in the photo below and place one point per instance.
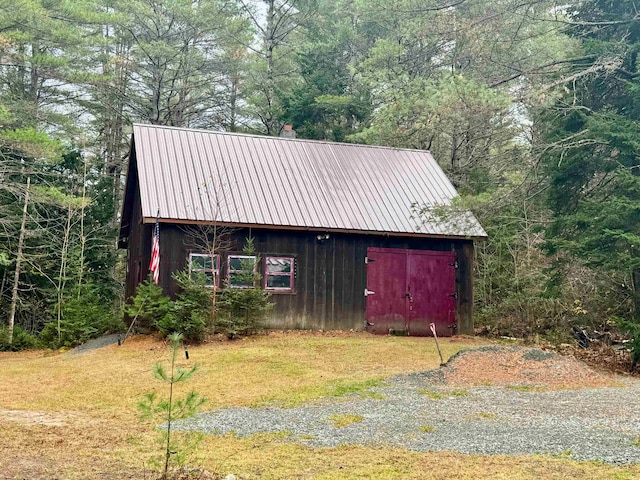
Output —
(278, 274)
(242, 271)
(204, 263)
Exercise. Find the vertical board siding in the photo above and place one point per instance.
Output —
(139, 250)
(464, 287)
(330, 276)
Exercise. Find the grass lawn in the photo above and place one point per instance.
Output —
(73, 416)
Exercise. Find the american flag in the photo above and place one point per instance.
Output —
(154, 265)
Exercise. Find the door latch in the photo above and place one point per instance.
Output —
(368, 292)
(454, 295)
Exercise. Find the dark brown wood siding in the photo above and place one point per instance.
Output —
(138, 242)
(330, 275)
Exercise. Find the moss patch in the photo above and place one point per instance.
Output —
(340, 421)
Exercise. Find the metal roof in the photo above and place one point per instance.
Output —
(191, 176)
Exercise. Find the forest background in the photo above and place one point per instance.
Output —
(530, 106)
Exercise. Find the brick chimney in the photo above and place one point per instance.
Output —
(288, 132)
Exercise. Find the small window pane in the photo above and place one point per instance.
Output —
(240, 279)
(279, 281)
(201, 262)
(204, 264)
(237, 262)
(275, 264)
(241, 270)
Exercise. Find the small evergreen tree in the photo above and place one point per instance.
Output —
(148, 306)
(191, 311)
(243, 310)
(239, 310)
(22, 340)
(171, 409)
(83, 317)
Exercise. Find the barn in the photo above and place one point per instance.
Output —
(348, 236)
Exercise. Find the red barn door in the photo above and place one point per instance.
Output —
(431, 285)
(386, 290)
(409, 289)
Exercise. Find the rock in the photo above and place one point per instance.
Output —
(230, 476)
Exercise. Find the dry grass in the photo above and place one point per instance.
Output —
(274, 368)
(74, 416)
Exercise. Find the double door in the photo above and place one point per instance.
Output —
(409, 289)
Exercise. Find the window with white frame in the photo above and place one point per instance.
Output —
(206, 264)
(279, 274)
(242, 271)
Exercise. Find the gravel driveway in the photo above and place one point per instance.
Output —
(417, 412)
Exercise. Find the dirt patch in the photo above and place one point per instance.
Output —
(49, 419)
(70, 452)
(519, 366)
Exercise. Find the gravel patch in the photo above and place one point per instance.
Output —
(420, 411)
(96, 343)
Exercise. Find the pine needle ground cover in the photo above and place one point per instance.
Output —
(74, 416)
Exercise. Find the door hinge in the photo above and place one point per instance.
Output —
(454, 295)
(368, 260)
(368, 292)
(454, 264)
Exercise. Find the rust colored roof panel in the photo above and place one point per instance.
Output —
(204, 176)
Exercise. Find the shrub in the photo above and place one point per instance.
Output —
(633, 329)
(190, 313)
(22, 340)
(193, 328)
(83, 317)
(242, 310)
(238, 311)
(148, 306)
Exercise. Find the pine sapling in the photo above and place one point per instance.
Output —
(171, 409)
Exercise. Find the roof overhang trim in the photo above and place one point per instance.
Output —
(170, 221)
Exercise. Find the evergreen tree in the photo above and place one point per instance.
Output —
(592, 153)
(328, 103)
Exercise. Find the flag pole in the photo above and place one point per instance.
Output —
(154, 264)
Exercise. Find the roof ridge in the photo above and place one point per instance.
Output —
(302, 140)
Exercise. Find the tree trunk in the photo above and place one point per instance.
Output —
(269, 47)
(16, 275)
(63, 270)
(83, 238)
(212, 252)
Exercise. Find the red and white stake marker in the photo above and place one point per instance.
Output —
(432, 326)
